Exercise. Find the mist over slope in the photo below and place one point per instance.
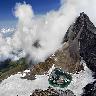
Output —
(40, 36)
(47, 30)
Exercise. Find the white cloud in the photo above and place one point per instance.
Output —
(48, 29)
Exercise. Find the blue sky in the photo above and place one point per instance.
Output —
(39, 7)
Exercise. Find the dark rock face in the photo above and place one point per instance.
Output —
(82, 35)
(90, 89)
(88, 43)
(52, 92)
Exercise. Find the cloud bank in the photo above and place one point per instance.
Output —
(41, 36)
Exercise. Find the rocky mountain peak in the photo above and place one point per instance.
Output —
(81, 37)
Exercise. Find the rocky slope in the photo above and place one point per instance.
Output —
(52, 92)
(9, 67)
(88, 43)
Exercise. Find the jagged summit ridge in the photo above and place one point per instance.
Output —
(82, 39)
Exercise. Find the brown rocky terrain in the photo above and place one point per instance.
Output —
(52, 92)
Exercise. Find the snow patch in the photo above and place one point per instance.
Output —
(81, 80)
(14, 85)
